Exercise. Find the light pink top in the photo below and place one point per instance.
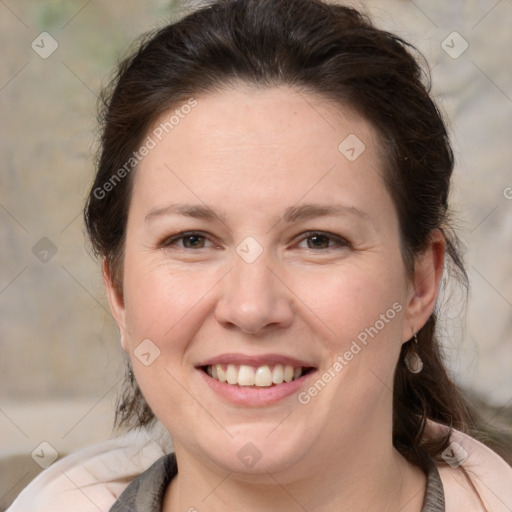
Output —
(83, 481)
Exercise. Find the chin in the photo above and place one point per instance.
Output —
(256, 449)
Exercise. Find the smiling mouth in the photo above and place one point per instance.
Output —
(263, 376)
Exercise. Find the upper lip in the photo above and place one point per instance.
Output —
(256, 361)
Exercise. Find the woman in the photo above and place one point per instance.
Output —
(271, 211)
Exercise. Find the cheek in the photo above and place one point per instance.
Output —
(361, 310)
(161, 302)
(350, 300)
(162, 306)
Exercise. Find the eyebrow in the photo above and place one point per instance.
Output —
(309, 211)
(196, 211)
(291, 214)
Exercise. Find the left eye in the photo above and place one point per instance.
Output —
(323, 241)
(187, 241)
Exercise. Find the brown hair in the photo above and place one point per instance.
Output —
(328, 50)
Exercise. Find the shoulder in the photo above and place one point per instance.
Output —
(92, 478)
(472, 464)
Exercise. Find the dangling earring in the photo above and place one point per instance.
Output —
(130, 375)
(412, 359)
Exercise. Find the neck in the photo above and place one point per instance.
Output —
(366, 476)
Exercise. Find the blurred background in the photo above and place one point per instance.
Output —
(60, 361)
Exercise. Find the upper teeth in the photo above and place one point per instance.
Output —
(261, 376)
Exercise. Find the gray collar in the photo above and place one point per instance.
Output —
(146, 492)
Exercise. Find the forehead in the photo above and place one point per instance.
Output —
(278, 142)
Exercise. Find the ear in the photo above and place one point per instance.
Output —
(116, 301)
(424, 285)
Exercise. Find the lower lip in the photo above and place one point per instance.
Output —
(255, 396)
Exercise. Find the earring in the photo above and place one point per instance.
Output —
(131, 376)
(412, 359)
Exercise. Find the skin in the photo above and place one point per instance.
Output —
(248, 155)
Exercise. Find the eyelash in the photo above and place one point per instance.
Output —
(339, 242)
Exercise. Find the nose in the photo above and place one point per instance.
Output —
(254, 299)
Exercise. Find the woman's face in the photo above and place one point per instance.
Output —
(263, 246)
